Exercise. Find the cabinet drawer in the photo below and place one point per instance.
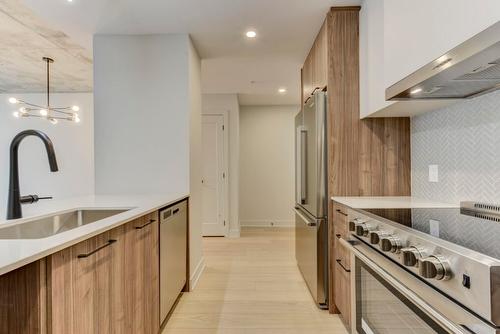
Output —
(342, 293)
(340, 219)
(342, 255)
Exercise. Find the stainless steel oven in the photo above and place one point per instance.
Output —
(386, 299)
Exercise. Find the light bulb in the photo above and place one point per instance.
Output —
(251, 34)
(16, 114)
(13, 100)
(75, 108)
(23, 110)
(43, 112)
(75, 118)
(53, 121)
(282, 90)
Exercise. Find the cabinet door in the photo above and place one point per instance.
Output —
(320, 63)
(22, 300)
(142, 275)
(342, 286)
(79, 287)
(307, 77)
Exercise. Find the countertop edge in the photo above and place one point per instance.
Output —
(16, 264)
(390, 202)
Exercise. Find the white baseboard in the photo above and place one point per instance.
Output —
(195, 276)
(267, 223)
(234, 233)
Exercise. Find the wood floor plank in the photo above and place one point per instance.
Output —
(251, 285)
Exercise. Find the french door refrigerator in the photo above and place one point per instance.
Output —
(311, 202)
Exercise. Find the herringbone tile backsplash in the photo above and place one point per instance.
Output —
(464, 140)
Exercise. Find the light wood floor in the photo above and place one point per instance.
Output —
(251, 285)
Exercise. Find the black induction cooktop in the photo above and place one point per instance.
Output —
(468, 229)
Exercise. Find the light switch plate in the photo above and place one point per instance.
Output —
(433, 173)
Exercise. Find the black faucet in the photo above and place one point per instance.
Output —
(14, 204)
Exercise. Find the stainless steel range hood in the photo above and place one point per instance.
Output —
(468, 70)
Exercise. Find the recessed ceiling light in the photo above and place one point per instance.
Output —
(282, 90)
(251, 34)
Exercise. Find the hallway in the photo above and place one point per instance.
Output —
(251, 285)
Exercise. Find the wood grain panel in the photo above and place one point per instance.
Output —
(22, 300)
(369, 157)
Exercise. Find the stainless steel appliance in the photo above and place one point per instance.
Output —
(430, 270)
(173, 252)
(311, 226)
(470, 69)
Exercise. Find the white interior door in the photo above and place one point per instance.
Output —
(213, 176)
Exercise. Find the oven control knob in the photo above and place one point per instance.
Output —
(435, 266)
(375, 236)
(364, 229)
(355, 222)
(391, 243)
(411, 255)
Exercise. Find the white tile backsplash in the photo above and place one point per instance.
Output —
(464, 140)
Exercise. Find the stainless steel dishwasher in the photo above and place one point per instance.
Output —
(173, 252)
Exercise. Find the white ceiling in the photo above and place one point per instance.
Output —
(231, 63)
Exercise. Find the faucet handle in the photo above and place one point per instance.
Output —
(29, 199)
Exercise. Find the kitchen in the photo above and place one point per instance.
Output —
(382, 209)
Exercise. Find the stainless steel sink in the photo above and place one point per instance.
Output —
(48, 226)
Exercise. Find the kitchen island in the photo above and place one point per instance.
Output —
(102, 276)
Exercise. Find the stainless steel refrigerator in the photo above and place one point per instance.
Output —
(311, 202)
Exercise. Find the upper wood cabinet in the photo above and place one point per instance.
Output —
(315, 68)
(320, 56)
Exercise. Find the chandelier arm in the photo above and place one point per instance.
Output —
(31, 104)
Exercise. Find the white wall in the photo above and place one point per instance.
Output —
(229, 102)
(148, 123)
(463, 140)
(267, 165)
(141, 113)
(195, 237)
(73, 144)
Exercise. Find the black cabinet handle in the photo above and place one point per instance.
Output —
(342, 213)
(110, 242)
(151, 221)
(339, 261)
(175, 211)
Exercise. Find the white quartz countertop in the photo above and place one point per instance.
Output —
(391, 202)
(15, 253)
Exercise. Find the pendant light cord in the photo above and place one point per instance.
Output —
(48, 84)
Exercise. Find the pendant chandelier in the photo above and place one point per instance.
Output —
(50, 113)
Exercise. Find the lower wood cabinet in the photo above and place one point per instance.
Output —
(107, 284)
(340, 264)
(22, 296)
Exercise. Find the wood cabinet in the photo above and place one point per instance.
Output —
(315, 68)
(307, 78)
(366, 157)
(22, 297)
(340, 263)
(107, 284)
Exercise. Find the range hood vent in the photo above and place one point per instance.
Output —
(469, 70)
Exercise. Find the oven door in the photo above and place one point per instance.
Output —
(386, 299)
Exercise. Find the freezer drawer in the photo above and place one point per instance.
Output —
(311, 254)
(173, 252)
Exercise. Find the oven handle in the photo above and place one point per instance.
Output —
(438, 317)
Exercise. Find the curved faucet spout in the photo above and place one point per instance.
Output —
(14, 203)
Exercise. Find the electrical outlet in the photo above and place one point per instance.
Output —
(433, 173)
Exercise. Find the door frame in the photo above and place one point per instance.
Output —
(225, 161)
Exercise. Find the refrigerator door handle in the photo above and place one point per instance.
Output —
(306, 220)
(303, 166)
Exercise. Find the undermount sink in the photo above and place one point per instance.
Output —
(58, 223)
